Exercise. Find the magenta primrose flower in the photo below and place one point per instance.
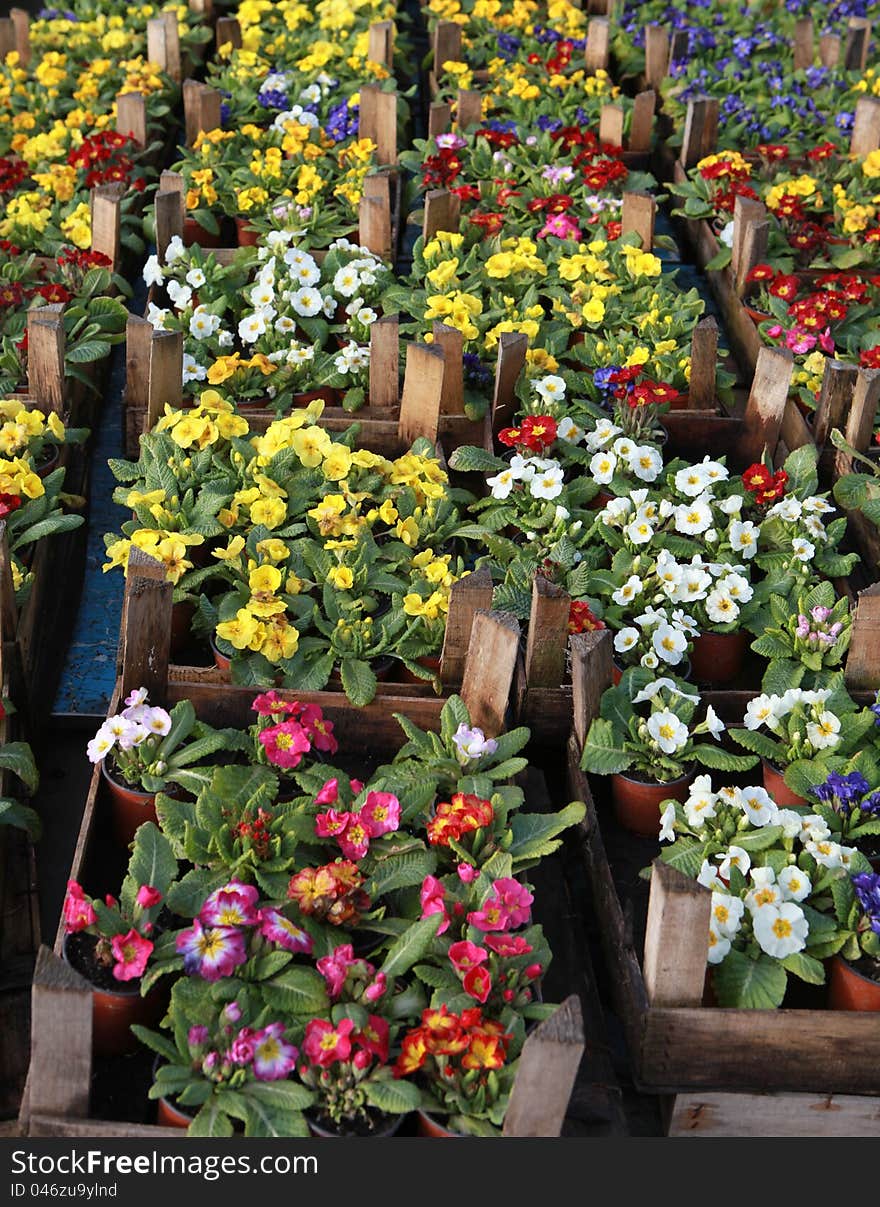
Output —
(214, 952)
(285, 743)
(278, 929)
(432, 900)
(380, 813)
(131, 952)
(273, 1057)
(78, 910)
(508, 946)
(232, 905)
(147, 896)
(329, 794)
(334, 968)
(466, 955)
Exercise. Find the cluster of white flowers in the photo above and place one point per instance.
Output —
(614, 453)
(806, 514)
(772, 899)
(665, 728)
(822, 729)
(352, 359)
(543, 476)
(130, 728)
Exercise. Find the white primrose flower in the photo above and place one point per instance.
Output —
(765, 893)
(708, 877)
(551, 388)
(714, 471)
(192, 370)
(502, 483)
(826, 852)
(737, 858)
(667, 731)
(694, 517)
(762, 710)
(615, 511)
(714, 725)
(814, 527)
(743, 536)
(790, 822)
(824, 732)
(788, 509)
(667, 821)
(568, 430)
(693, 585)
(196, 278)
(781, 930)
(602, 467)
(203, 324)
(603, 433)
(721, 608)
(758, 806)
(157, 720)
(794, 884)
(669, 643)
(626, 639)
(100, 745)
(366, 315)
(818, 505)
(153, 274)
(649, 660)
(284, 324)
(737, 587)
(623, 447)
(630, 589)
(262, 296)
(547, 484)
(180, 295)
(691, 481)
(700, 806)
(639, 532)
(719, 946)
(307, 302)
(727, 913)
(224, 338)
(278, 238)
(347, 281)
(803, 550)
(251, 327)
(522, 467)
(157, 316)
(305, 272)
(175, 250)
(730, 506)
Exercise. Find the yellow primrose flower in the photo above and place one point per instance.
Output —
(311, 445)
(341, 577)
(271, 513)
(407, 531)
(338, 463)
(241, 631)
(273, 549)
(232, 552)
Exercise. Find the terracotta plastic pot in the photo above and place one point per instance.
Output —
(114, 1011)
(131, 808)
(850, 990)
(718, 657)
(247, 236)
(430, 1126)
(637, 802)
(602, 499)
(390, 1128)
(220, 660)
(774, 782)
(194, 233)
(431, 662)
(168, 1115)
(757, 316)
(44, 469)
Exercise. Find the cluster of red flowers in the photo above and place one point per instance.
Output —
(581, 618)
(767, 487)
(333, 892)
(441, 170)
(733, 182)
(469, 1039)
(651, 393)
(490, 223)
(870, 358)
(462, 815)
(536, 433)
(256, 832)
(774, 152)
(103, 158)
(558, 61)
(556, 203)
(818, 309)
(12, 173)
(8, 504)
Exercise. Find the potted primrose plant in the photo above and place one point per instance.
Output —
(149, 750)
(644, 738)
(110, 942)
(855, 971)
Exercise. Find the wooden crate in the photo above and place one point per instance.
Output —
(57, 1101)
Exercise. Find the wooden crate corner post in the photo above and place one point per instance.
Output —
(860, 420)
(804, 44)
(21, 22)
(638, 216)
(642, 123)
(374, 215)
(657, 55)
(380, 45)
(863, 659)
(385, 363)
(766, 404)
(170, 212)
(835, 399)
(512, 349)
(489, 667)
(106, 206)
(704, 363)
(469, 595)
(442, 213)
(422, 391)
(548, 634)
(866, 126)
(598, 48)
(592, 663)
(131, 116)
(676, 937)
(146, 626)
(546, 1073)
(227, 32)
(61, 1021)
(377, 120)
(46, 347)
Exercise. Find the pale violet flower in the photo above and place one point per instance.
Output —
(472, 744)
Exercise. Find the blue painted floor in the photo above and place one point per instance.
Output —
(89, 672)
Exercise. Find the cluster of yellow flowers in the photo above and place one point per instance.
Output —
(20, 425)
